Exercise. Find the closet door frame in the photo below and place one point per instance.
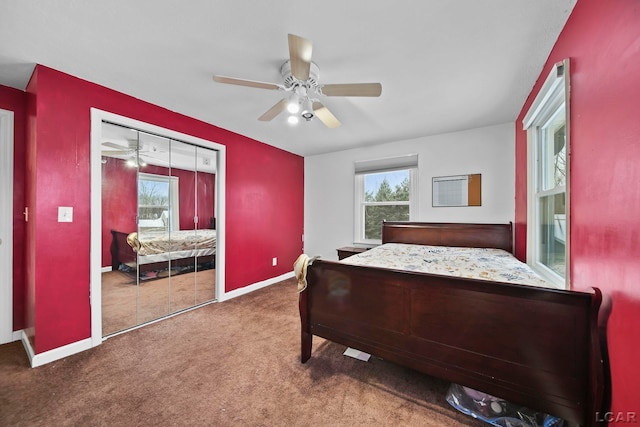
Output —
(99, 116)
(6, 227)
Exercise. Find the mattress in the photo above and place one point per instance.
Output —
(147, 243)
(494, 265)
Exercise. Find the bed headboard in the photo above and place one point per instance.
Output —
(498, 236)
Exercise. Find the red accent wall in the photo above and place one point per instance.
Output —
(119, 202)
(264, 206)
(602, 40)
(119, 199)
(15, 100)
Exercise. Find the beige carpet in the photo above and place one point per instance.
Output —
(235, 363)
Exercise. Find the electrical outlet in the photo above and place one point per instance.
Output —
(274, 261)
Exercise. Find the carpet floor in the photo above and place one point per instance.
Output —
(125, 304)
(235, 363)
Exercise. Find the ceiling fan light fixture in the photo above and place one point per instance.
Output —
(292, 120)
(293, 104)
(134, 163)
(307, 110)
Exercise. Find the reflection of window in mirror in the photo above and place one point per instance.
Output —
(158, 206)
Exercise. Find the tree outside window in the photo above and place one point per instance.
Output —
(386, 197)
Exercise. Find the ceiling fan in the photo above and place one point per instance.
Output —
(135, 149)
(300, 77)
(119, 150)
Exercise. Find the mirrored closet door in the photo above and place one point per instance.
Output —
(158, 227)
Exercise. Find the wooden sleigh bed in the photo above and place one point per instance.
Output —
(122, 253)
(533, 346)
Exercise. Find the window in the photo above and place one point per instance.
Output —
(158, 206)
(384, 190)
(548, 171)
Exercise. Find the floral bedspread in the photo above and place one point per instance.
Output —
(156, 242)
(475, 263)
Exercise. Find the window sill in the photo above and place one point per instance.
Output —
(552, 278)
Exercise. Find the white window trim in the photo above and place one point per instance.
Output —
(174, 196)
(358, 230)
(554, 92)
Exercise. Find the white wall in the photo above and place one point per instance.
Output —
(329, 182)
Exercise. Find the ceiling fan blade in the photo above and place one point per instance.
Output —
(300, 55)
(116, 146)
(274, 111)
(352, 89)
(249, 83)
(325, 115)
(113, 153)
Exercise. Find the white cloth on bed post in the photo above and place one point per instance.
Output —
(300, 270)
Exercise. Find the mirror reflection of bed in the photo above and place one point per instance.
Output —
(158, 227)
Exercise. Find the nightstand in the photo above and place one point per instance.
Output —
(347, 251)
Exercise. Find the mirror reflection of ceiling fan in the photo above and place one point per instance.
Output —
(300, 76)
(135, 152)
(119, 150)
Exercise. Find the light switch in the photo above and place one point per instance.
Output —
(65, 214)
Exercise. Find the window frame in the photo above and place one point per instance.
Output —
(360, 204)
(553, 96)
(174, 196)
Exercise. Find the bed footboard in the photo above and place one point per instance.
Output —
(121, 252)
(532, 346)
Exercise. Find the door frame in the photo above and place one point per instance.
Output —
(97, 117)
(6, 226)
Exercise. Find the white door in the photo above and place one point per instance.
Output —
(6, 226)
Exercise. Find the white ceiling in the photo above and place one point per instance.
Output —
(444, 65)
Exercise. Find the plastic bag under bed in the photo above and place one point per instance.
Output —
(496, 411)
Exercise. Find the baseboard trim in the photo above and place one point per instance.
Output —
(254, 287)
(106, 269)
(55, 354)
(17, 335)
